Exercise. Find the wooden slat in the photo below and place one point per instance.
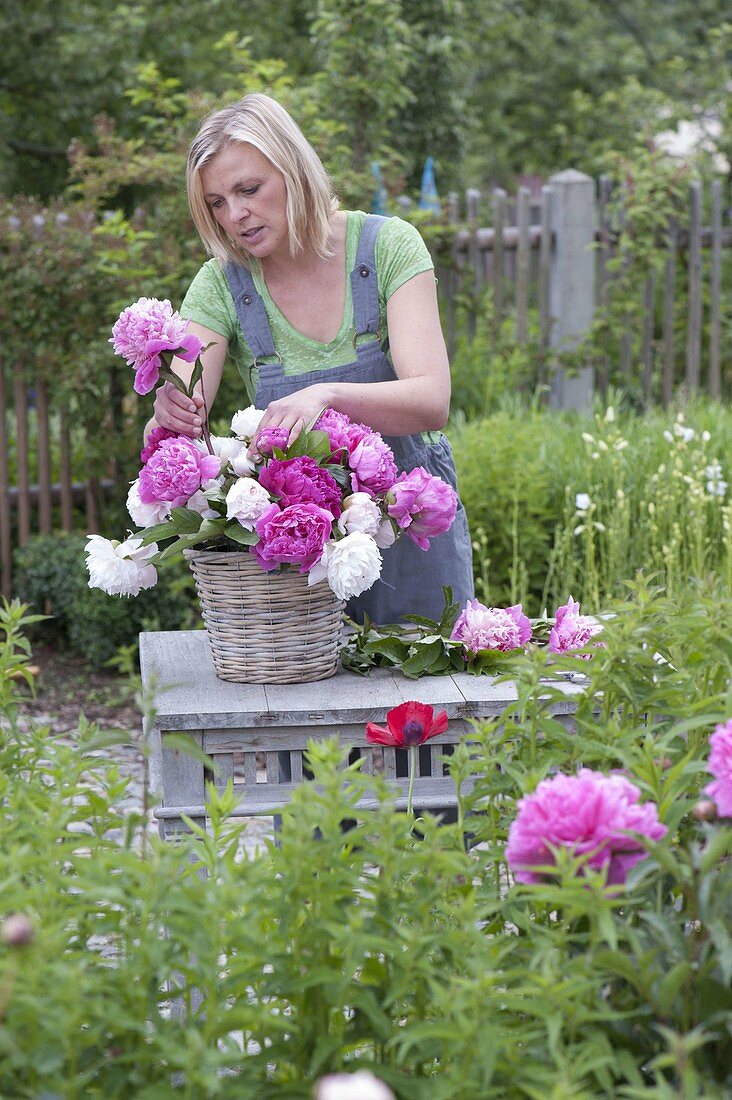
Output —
(715, 293)
(694, 317)
(544, 267)
(224, 770)
(6, 588)
(647, 342)
(472, 199)
(499, 222)
(603, 277)
(669, 286)
(65, 484)
(523, 199)
(296, 767)
(92, 505)
(273, 766)
(452, 285)
(21, 443)
(250, 768)
(44, 459)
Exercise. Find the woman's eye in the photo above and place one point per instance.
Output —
(249, 190)
(215, 205)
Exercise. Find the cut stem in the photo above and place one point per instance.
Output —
(412, 767)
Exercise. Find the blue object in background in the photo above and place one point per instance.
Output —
(378, 202)
(429, 199)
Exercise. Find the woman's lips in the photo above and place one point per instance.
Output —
(251, 235)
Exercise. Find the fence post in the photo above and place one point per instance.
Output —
(571, 281)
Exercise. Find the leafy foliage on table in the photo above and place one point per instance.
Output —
(423, 647)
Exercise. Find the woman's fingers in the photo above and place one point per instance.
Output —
(177, 412)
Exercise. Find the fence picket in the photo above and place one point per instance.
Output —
(21, 442)
(544, 267)
(523, 198)
(669, 284)
(66, 492)
(693, 325)
(715, 296)
(603, 277)
(499, 224)
(647, 344)
(5, 514)
(44, 459)
(475, 258)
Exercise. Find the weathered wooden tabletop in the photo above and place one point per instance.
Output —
(188, 694)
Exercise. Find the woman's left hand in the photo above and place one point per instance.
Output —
(294, 412)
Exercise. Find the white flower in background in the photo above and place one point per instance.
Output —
(120, 569)
(716, 485)
(145, 515)
(361, 1085)
(582, 502)
(246, 500)
(199, 503)
(706, 436)
(351, 565)
(620, 444)
(245, 422)
(687, 434)
(360, 513)
(610, 414)
(234, 451)
(713, 472)
(717, 488)
(668, 437)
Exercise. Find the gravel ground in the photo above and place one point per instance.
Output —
(66, 686)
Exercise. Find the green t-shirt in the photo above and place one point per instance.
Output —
(400, 255)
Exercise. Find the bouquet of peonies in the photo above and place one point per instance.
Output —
(326, 504)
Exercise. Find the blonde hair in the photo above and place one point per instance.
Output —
(260, 121)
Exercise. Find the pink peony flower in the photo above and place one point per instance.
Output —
(340, 430)
(720, 766)
(156, 437)
(572, 630)
(294, 535)
(373, 469)
(590, 814)
(423, 505)
(175, 471)
(481, 627)
(301, 480)
(146, 329)
(269, 438)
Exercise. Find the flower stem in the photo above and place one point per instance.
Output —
(412, 769)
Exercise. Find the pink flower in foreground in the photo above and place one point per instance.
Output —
(423, 505)
(294, 535)
(481, 627)
(371, 460)
(720, 766)
(175, 471)
(156, 437)
(146, 329)
(299, 481)
(572, 630)
(269, 438)
(408, 725)
(590, 814)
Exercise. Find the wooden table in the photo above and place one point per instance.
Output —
(246, 728)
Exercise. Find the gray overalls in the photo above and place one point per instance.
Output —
(412, 579)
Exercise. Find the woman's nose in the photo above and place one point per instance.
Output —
(239, 208)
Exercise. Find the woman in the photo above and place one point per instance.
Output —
(319, 308)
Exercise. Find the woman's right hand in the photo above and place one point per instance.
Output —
(177, 412)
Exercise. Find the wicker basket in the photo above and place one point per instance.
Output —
(266, 628)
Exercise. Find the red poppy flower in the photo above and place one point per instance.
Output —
(409, 724)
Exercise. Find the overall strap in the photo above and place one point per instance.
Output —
(250, 311)
(364, 285)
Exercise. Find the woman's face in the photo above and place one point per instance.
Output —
(248, 197)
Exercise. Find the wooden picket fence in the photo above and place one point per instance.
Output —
(513, 259)
(518, 257)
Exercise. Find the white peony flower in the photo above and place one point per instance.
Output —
(226, 447)
(145, 515)
(361, 1085)
(582, 502)
(360, 513)
(351, 565)
(242, 464)
(245, 422)
(199, 503)
(385, 536)
(120, 569)
(246, 500)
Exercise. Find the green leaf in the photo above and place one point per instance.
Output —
(239, 534)
(185, 520)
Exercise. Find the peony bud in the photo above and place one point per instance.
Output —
(705, 810)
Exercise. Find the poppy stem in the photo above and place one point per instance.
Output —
(412, 768)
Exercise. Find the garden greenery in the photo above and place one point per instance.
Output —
(386, 945)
